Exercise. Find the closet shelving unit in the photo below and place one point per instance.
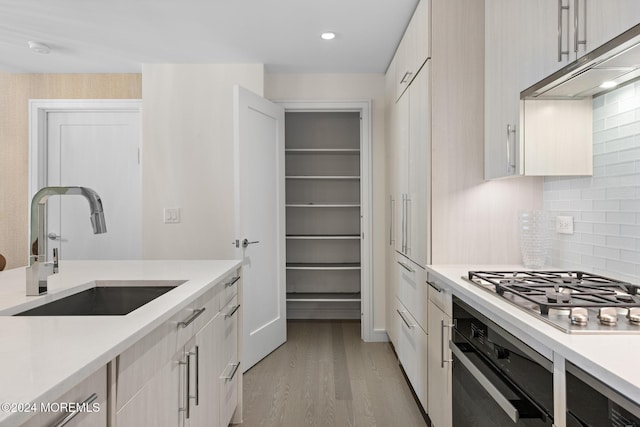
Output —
(322, 167)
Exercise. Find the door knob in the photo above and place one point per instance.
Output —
(246, 243)
(53, 236)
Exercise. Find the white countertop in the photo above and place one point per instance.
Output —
(43, 357)
(613, 359)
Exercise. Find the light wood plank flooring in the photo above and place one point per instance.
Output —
(325, 375)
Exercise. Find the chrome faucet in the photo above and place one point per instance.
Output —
(39, 270)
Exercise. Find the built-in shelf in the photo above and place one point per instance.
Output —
(322, 205)
(336, 177)
(322, 237)
(323, 297)
(324, 266)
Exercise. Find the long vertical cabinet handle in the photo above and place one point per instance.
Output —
(404, 222)
(187, 408)
(511, 164)
(392, 204)
(562, 8)
(197, 355)
(408, 229)
(442, 341)
(576, 26)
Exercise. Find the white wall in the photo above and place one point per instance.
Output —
(188, 157)
(605, 207)
(350, 87)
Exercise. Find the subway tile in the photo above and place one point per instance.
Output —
(580, 183)
(624, 92)
(581, 205)
(600, 171)
(606, 110)
(606, 205)
(607, 229)
(619, 193)
(621, 242)
(620, 119)
(593, 262)
(562, 183)
(629, 129)
(560, 205)
(579, 248)
(598, 125)
(621, 218)
(630, 230)
(606, 135)
(593, 216)
(621, 267)
(631, 154)
(569, 194)
(630, 205)
(598, 102)
(606, 159)
(593, 194)
(551, 195)
(594, 239)
(626, 168)
(548, 184)
(630, 256)
(617, 275)
(605, 252)
(630, 103)
(629, 142)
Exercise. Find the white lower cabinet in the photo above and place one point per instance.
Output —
(439, 358)
(412, 352)
(228, 366)
(91, 397)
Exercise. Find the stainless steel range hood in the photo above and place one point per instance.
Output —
(615, 61)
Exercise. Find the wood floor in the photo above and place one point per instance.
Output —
(325, 375)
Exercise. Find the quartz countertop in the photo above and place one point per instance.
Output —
(611, 358)
(44, 357)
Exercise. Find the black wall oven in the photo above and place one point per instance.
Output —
(497, 379)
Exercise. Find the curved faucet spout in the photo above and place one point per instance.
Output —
(37, 247)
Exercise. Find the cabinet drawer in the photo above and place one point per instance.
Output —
(231, 285)
(412, 352)
(95, 414)
(412, 289)
(439, 294)
(230, 372)
(192, 318)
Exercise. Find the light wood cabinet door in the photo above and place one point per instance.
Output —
(204, 407)
(438, 354)
(228, 373)
(92, 412)
(412, 352)
(606, 19)
(414, 48)
(157, 403)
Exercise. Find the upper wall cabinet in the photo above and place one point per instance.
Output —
(605, 19)
(525, 41)
(414, 49)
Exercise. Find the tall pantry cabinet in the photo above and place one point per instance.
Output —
(409, 154)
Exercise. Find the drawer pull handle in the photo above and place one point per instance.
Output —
(406, 322)
(234, 369)
(71, 415)
(232, 311)
(193, 317)
(406, 267)
(436, 288)
(232, 282)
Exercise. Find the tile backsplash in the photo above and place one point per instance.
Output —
(606, 206)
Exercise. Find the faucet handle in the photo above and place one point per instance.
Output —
(55, 260)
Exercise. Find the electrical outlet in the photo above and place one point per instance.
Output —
(171, 215)
(564, 224)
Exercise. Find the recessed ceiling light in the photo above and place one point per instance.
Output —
(608, 85)
(328, 36)
(38, 47)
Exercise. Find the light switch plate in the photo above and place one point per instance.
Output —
(171, 215)
(564, 224)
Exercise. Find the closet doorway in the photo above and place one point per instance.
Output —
(328, 211)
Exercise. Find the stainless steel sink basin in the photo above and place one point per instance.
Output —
(105, 299)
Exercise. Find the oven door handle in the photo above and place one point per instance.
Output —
(499, 398)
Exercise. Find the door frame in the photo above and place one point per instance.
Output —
(367, 331)
(38, 110)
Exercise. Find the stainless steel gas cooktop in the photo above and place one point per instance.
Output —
(572, 301)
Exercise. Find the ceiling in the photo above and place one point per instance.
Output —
(118, 36)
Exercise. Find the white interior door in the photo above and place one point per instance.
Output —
(259, 187)
(99, 150)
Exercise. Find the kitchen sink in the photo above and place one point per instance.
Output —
(105, 299)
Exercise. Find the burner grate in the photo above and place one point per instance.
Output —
(560, 289)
